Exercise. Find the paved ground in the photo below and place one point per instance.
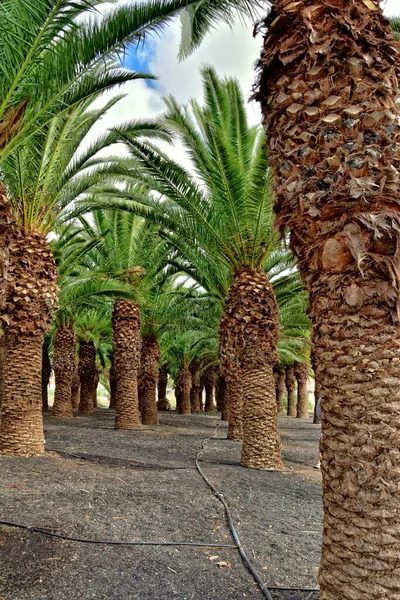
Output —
(143, 486)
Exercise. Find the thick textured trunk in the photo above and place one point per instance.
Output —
(75, 388)
(96, 381)
(302, 372)
(221, 390)
(232, 411)
(184, 387)
(149, 379)
(234, 404)
(162, 402)
(31, 294)
(201, 398)
(279, 389)
(208, 382)
(178, 397)
(113, 388)
(329, 91)
(317, 388)
(46, 373)
(127, 347)
(290, 382)
(195, 389)
(64, 367)
(248, 344)
(21, 425)
(317, 395)
(87, 373)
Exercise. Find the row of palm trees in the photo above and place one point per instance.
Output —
(328, 91)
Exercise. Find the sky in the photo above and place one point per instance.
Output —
(232, 51)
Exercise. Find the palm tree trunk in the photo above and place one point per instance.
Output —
(231, 370)
(127, 347)
(251, 321)
(75, 388)
(196, 387)
(162, 388)
(185, 384)
(87, 372)
(21, 425)
(222, 397)
(95, 385)
(279, 389)
(46, 373)
(301, 371)
(31, 295)
(341, 203)
(234, 404)
(149, 379)
(201, 397)
(208, 381)
(178, 397)
(291, 391)
(113, 388)
(64, 366)
(317, 388)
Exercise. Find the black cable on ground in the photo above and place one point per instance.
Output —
(247, 562)
(110, 542)
(119, 461)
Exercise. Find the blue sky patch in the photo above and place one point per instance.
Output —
(139, 57)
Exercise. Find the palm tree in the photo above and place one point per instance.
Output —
(224, 211)
(340, 207)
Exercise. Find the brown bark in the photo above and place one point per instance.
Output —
(87, 373)
(30, 293)
(302, 371)
(232, 410)
(317, 388)
(96, 380)
(64, 366)
(149, 379)
(196, 387)
(178, 397)
(46, 373)
(290, 381)
(234, 404)
(127, 347)
(113, 388)
(21, 425)
(162, 402)
(334, 148)
(184, 386)
(249, 328)
(279, 389)
(75, 388)
(221, 389)
(208, 381)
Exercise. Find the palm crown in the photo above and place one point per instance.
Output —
(223, 206)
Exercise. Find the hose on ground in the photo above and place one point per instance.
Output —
(69, 538)
(247, 562)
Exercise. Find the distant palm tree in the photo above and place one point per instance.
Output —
(131, 252)
(82, 291)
